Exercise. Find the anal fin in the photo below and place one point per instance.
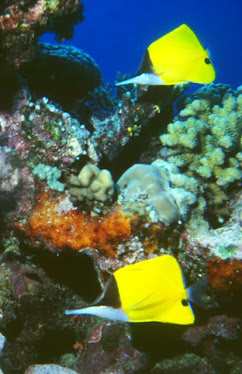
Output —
(149, 79)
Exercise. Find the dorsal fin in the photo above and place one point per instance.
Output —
(110, 295)
(146, 65)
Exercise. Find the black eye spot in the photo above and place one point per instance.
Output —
(207, 61)
(184, 302)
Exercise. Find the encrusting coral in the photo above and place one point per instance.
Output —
(204, 142)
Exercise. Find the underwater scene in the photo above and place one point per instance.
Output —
(120, 187)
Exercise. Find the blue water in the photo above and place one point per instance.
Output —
(117, 33)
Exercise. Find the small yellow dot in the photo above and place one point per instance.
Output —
(157, 108)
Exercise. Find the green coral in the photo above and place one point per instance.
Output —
(204, 139)
(55, 130)
(227, 251)
(50, 174)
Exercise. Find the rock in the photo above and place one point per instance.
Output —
(49, 369)
(2, 342)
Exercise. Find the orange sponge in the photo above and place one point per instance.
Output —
(75, 229)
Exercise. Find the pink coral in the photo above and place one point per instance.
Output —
(21, 24)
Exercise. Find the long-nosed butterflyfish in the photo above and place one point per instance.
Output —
(175, 58)
(148, 291)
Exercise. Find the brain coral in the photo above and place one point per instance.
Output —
(153, 183)
(204, 142)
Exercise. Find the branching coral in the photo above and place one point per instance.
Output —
(51, 174)
(204, 141)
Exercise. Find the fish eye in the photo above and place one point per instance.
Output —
(207, 61)
(184, 302)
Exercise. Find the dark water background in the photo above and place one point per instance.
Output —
(117, 33)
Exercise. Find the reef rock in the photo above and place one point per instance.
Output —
(110, 349)
(49, 369)
(22, 22)
(62, 73)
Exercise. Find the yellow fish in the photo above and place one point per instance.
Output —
(175, 58)
(148, 291)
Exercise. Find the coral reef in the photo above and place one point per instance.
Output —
(51, 174)
(11, 88)
(36, 133)
(39, 132)
(64, 74)
(91, 184)
(66, 226)
(150, 181)
(57, 222)
(51, 135)
(187, 363)
(225, 242)
(116, 235)
(24, 287)
(33, 305)
(22, 22)
(225, 275)
(108, 348)
(50, 369)
(2, 342)
(204, 142)
(153, 183)
(121, 126)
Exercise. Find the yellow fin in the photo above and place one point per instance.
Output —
(179, 57)
(153, 290)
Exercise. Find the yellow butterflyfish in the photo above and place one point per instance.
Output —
(148, 291)
(177, 57)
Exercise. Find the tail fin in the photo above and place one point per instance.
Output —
(198, 293)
